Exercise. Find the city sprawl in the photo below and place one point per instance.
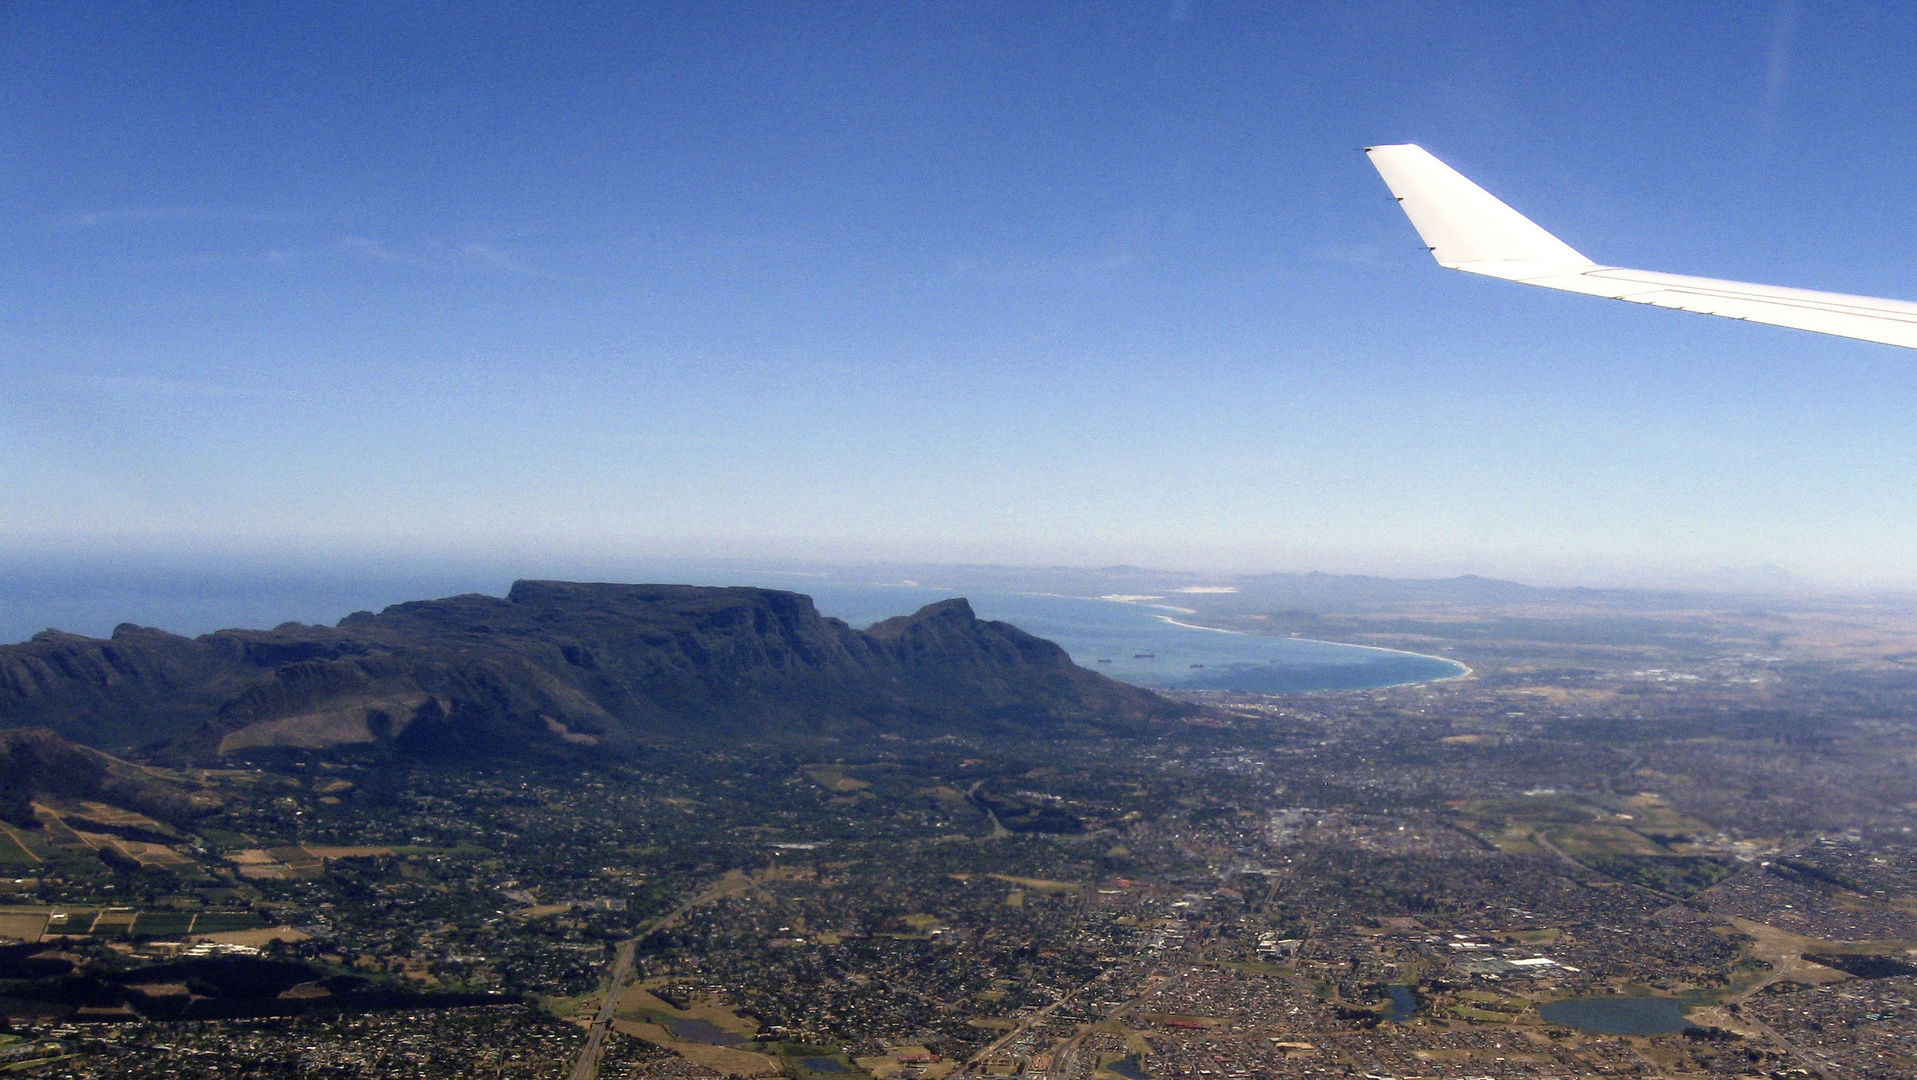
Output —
(1388, 883)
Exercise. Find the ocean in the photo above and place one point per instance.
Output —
(1140, 643)
(1147, 644)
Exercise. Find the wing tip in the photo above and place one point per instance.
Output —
(1459, 221)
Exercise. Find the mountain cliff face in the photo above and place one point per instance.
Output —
(562, 667)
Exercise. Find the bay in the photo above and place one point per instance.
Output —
(1146, 644)
(1151, 645)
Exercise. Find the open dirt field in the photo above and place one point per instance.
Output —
(255, 938)
(23, 926)
(1039, 884)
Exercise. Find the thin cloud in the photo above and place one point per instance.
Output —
(498, 259)
(1777, 71)
(149, 386)
(1778, 62)
(438, 255)
(370, 248)
(164, 215)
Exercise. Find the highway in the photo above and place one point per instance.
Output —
(1070, 1046)
(587, 1067)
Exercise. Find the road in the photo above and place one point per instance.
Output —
(1065, 1056)
(1070, 1046)
(587, 1065)
(1036, 1018)
(998, 829)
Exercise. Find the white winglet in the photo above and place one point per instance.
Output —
(1462, 223)
(1467, 228)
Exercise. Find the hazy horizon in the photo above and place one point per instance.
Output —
(192, 594)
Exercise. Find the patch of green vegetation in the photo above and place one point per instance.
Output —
(162, 924)
(1534, 937)
(81, 865)
(1787, 866)
(833, 778)
(1253, 967)
(1021, 815)
(1487, 1000)
(14, 852)
(1040, 884)
(219, 922)
(567, 1007)
(461, 851)
(1864, 966)
(1679, 875)
(1540, 809)
(805, 1061)
(1583, 842)
(74, 922)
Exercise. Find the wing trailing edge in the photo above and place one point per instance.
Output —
(1469, 229)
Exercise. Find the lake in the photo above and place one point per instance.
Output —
(1140, 643)
(1619, 1015)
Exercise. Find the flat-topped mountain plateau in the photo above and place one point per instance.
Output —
(561, 668)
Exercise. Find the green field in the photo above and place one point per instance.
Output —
(14, 851)
(223, 839)
(1679, 875)
(162, 924)
(73, 922)
(219, 922)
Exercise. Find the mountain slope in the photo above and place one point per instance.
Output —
(562, 667)
(37, 764)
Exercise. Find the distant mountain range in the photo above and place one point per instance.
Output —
(561, 669)
(93, 593)
(1346, 593)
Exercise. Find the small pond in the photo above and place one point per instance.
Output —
(704, 1031)
(1131, 1068)
(822, 1065)
(1404, 1004)
(1619, 1015)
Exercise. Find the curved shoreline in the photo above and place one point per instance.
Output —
(1465, 671)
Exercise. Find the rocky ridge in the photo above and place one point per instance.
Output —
(562, 668)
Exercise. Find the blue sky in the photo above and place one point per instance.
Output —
(1016, 282)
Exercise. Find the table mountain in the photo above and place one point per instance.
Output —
(562, 667)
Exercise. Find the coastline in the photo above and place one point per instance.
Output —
(1465, 673)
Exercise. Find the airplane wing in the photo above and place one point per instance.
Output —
(1468, 229)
